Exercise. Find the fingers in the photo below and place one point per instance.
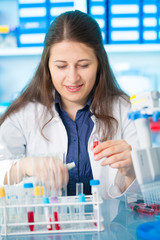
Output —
(117, 154)
(52, 173)
(108, 148)
(117, 161)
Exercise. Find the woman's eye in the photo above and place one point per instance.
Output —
(84, 66)
(61, 67)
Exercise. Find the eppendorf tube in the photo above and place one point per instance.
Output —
(96, 197)
(46, 213)
(28, 187)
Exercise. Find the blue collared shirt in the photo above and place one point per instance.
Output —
(78, 132)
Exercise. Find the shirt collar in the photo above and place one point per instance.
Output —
(58, 105)
(58, 102)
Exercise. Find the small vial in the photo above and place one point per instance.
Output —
(70, 165)
(95, 143)
(28, 187)
(143, 210)
(156, 207)
(46, 213)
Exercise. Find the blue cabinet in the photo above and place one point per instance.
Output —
(150, 21)
(124, 21)
(98, 10)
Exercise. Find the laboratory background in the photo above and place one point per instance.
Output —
(130, 30)
(131, 35)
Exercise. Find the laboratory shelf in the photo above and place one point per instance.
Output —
(132, 48)
(29, 51)
(112, 48)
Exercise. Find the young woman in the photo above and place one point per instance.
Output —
(73, 99)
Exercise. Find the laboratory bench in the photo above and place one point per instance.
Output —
(120, 223)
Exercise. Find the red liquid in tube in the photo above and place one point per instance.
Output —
(95, 143)
(57, 226)
(31, 220)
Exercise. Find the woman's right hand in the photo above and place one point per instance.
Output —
(48, 170)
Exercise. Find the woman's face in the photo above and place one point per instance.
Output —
(73, 68)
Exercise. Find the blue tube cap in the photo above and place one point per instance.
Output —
(81, 197)
(94, 182)
(156, 116)
(45, 200)
(28, 185)
(149, 230)
(54, 199)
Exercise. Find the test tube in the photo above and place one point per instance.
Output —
(13, 198)
(4, 211)
(44, 188)
(3, 200)
(38, 190)
(64, 199)
(28, 187)
(95, 143)
(62, 156)
(96, 197)
(79, 188)
(19, 188)
(46, 213)
(61, 159)
(81, 200)
(79, 192)
(55, 213)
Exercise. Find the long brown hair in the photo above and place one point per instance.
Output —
(80, 27)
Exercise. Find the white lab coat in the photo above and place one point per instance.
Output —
(20, 134)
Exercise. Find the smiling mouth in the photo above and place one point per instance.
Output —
(74, 88)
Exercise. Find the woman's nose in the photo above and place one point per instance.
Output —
(73, 75)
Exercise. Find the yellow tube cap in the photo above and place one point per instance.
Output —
(2, 192)
(4, 29)
(37, 191)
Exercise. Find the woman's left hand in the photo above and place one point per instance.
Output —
(117, 154)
